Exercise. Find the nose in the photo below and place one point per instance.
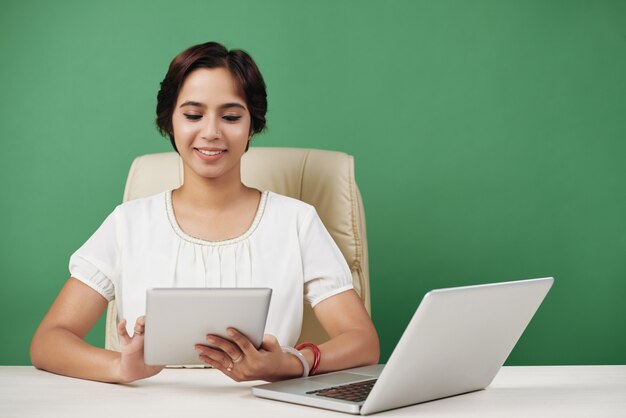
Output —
(211, 129)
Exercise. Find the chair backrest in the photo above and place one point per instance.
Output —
(324, 179)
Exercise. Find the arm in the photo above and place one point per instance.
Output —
(59, 347)
(353, 338)
(353, 342)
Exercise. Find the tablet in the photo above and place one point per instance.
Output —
(179, 318)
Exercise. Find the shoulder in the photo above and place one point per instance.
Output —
(143, 208)
(144, 203)
(286, 205)
(287, 202)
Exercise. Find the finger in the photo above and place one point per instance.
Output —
(219, 366)
(270, 343)
(208, 360)
(224, 345)
(242, 342)
(214, 354)
(216, 364)
(122, 333)
(140, 325)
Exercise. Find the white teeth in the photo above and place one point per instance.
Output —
(211, 153)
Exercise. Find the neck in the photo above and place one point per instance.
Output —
(211, 193)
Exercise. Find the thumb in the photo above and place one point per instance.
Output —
(270, 343)
(122, 333)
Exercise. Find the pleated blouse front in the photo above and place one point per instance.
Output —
(141, 246)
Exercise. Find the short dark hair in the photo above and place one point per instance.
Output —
(248, 80)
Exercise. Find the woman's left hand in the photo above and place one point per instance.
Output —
(241, 361)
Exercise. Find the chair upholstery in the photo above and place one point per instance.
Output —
(324, 179)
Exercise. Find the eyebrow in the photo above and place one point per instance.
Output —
(224, 106)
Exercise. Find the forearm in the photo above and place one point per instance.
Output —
(58, 350)
(352, 348)
(354, 341)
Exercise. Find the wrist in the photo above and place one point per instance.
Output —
(298, 364)
(310, 358)
(115, 370)
(316, 356)
(294, 368)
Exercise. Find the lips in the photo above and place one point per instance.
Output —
(211, 153)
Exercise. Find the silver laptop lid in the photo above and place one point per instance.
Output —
(456, 342)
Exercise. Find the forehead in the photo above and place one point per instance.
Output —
(211, 86)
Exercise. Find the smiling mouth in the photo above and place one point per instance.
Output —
(211, 153)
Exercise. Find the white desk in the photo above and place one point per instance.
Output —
(558, 391)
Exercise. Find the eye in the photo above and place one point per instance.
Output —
(192, 117)
(232, 118)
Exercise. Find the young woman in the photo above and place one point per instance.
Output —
(213, 231)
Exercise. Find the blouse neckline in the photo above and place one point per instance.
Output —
(182, 234)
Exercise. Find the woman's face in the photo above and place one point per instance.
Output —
(211, 123)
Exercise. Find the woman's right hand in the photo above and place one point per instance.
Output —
(132, 365)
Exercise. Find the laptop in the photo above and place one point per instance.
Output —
(455, 343)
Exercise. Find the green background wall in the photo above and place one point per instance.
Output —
(489, 138)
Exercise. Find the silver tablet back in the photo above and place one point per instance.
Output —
(179, 318)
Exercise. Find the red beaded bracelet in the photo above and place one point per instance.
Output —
(317, 355)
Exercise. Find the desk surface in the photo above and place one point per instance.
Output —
(555, 391)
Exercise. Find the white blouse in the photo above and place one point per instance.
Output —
(287, 248)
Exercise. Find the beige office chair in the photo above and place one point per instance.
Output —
(324, 179)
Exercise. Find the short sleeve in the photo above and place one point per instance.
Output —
(325, 270)
(96, 263)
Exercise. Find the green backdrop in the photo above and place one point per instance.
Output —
(489, 139)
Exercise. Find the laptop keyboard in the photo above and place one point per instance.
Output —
(354, 392)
